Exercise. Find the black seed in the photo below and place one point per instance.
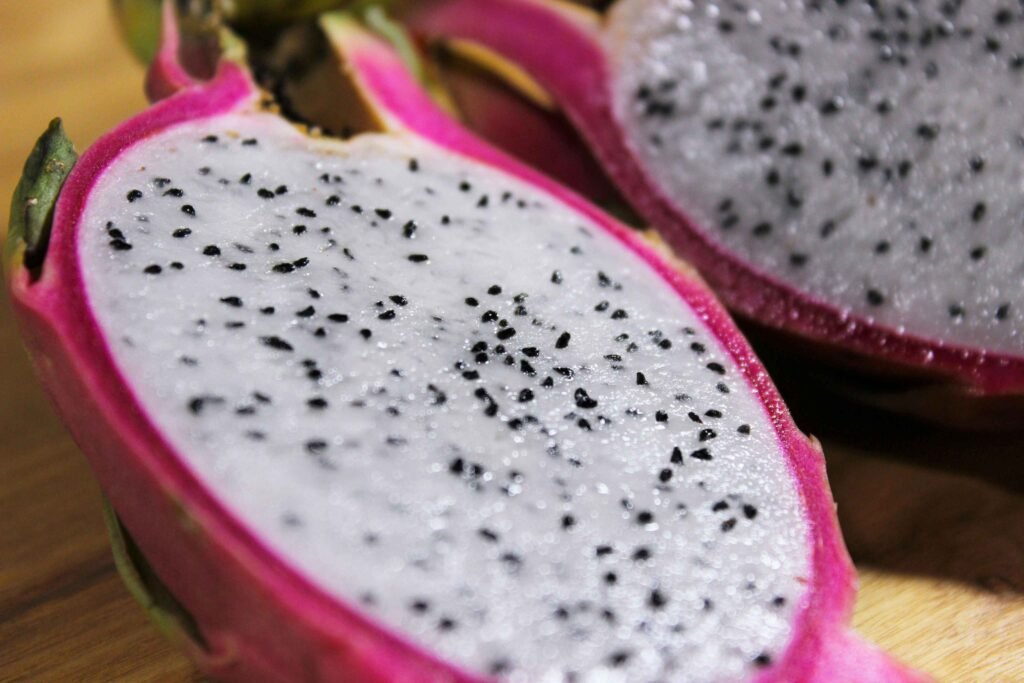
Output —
(956, 311)
(489, 316)
(831, 106)
(120, 245)
(333, 200)
(233, 301)
(525, 395)
(562, 341)
(772, 177)
(306, 312)
(866, 164)
(660, 416)
(177, 265)
(797, 259)
(743, 429)
(181, 232)
(133, 195)
(152, 270)
(494, 290)
(729, 524)
(978, 253)
(506, 333)
(174, 192)
(338, 318)
(211, 250)
(707, 434)
(875, 298)
(656, 599)
(583, 399)
(237, 266)
(677, 456)
(387, 315)
(366, 333)
(556, 277)
(665, 476)
(644, 517)
(882, 247)
(418, 258)
(617, 659)
(927, 131)
(701, 454)
(531, 351)
(619, 314)
(978, 212)
(275, 342)
(317, 403)
(1003, 311)
(188, 209)
(568, 521)
(641, 379)
(749, 511)
(792, 149)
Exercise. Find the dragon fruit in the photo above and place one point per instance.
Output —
(400, 409)
(846, 174)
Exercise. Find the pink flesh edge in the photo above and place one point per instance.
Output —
(165, 75)
(820, 637)
(261, 619)
(563, 51)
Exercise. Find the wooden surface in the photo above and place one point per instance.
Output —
(934, 521)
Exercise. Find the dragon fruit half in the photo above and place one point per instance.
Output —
(846, 173)
(399, 409)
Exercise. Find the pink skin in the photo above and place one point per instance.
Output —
(166, 75)
(262, 620)
(543, 139)
(562, 49)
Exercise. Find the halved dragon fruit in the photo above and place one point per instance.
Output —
(846, 173)
(399, 409)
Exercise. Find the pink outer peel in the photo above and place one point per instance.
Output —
(260, 620)
(562, 47)
(166, 75)
(542, 138)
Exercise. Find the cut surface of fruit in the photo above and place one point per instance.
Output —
(380, 411)
(469, 430)
(811, 160)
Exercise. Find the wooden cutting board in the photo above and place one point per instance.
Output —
(934, 521)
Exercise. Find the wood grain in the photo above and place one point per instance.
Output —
(934, 521)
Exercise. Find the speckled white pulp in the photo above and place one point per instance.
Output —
(868, 154)
(417, 380)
